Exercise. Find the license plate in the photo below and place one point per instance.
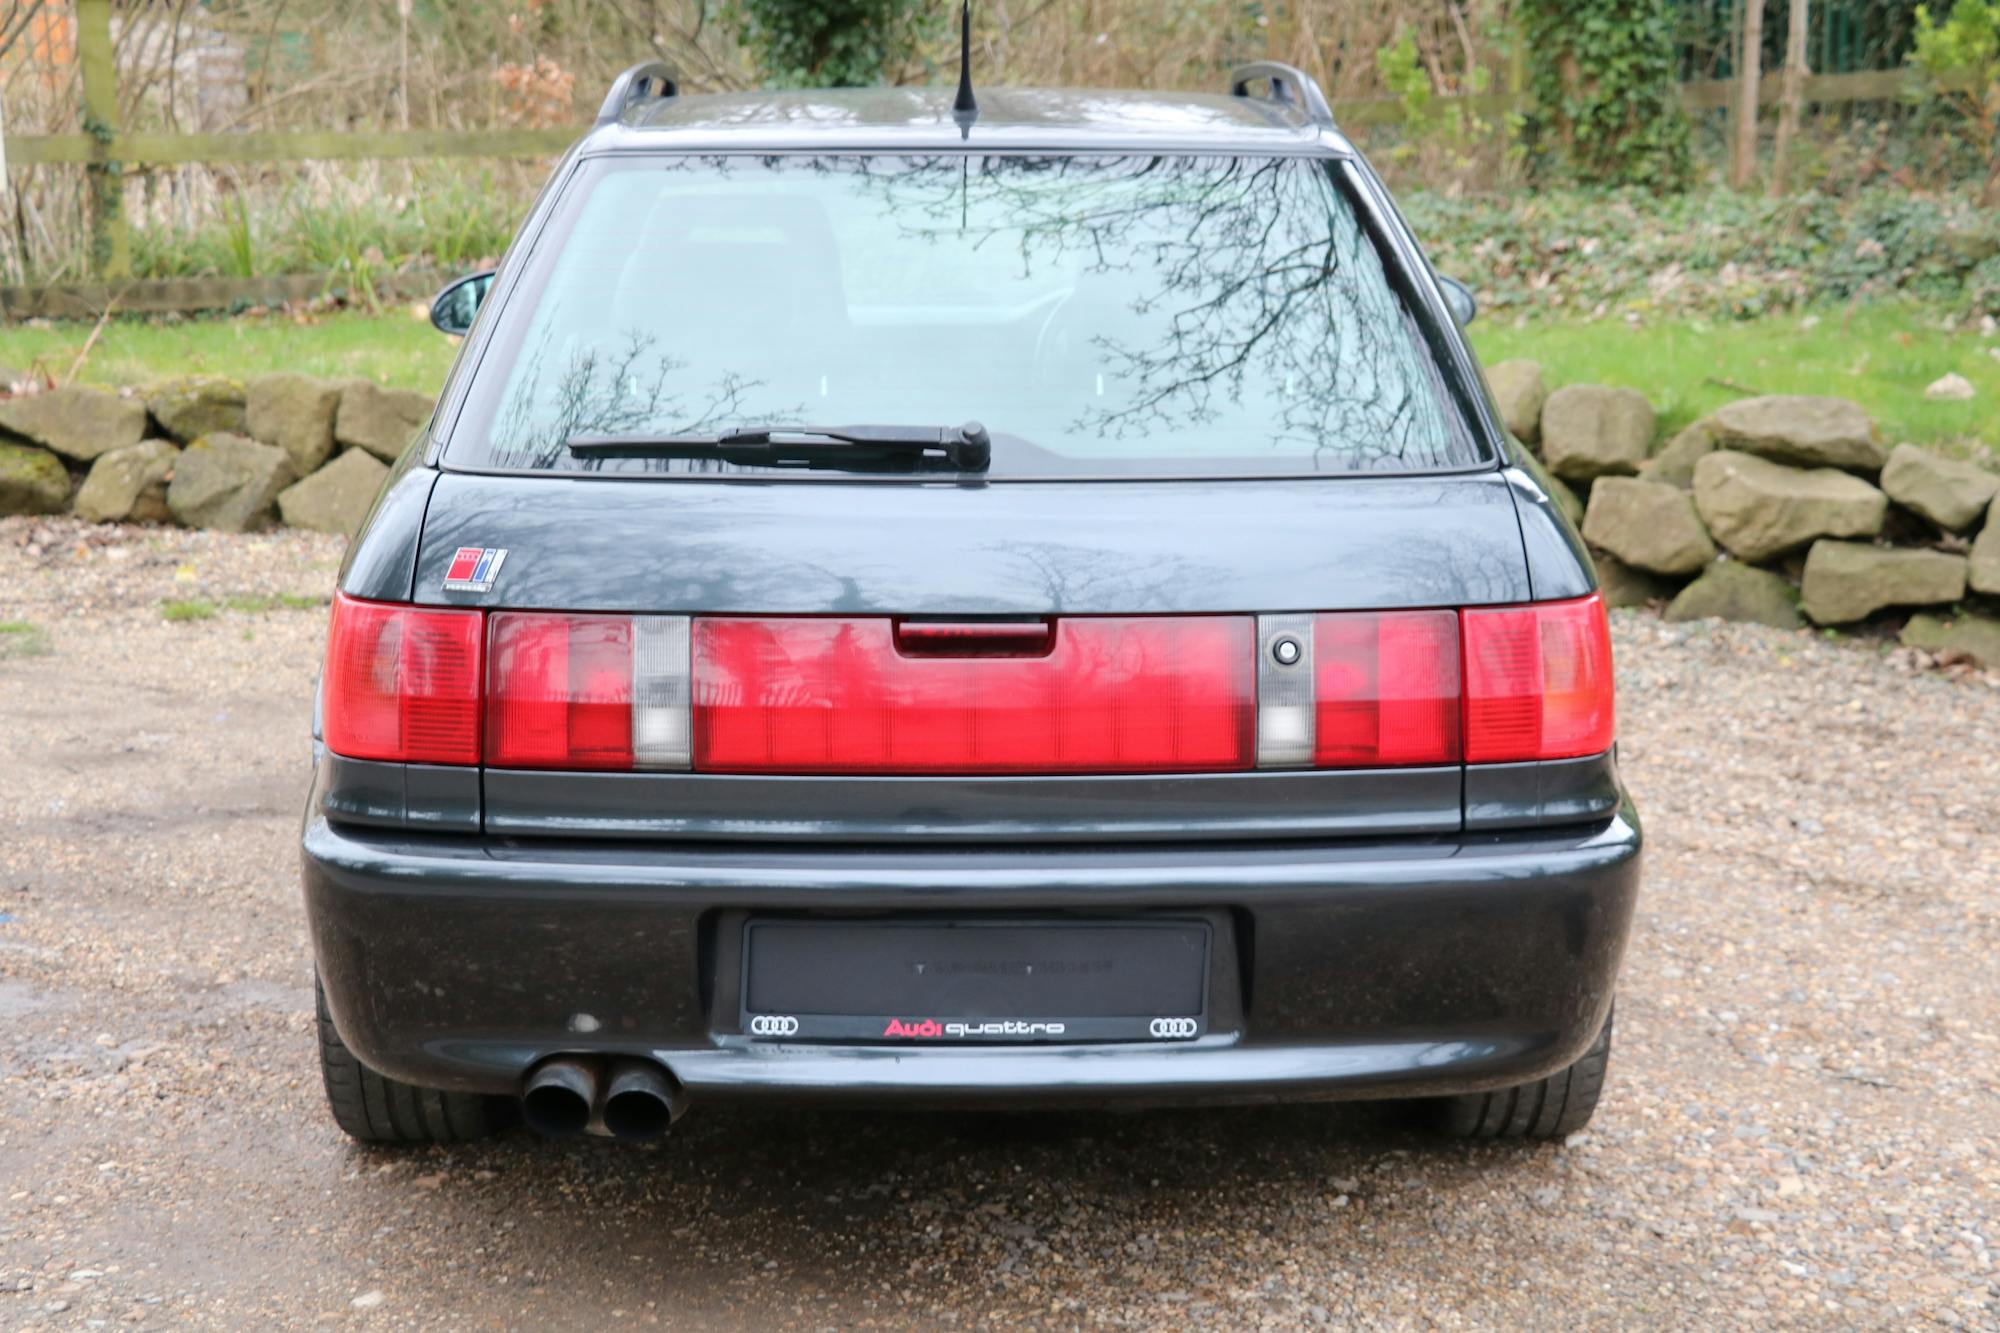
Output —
(934, 982)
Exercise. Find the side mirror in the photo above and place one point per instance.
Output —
(1456, 295)
(455, 306)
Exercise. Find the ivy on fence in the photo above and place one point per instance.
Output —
(835, 43)
(1605, 105)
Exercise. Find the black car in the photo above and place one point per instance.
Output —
(928, 605)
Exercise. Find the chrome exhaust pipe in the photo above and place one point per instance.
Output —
(559, 1094)
(641, 1100)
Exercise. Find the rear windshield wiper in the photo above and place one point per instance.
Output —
(967, 448)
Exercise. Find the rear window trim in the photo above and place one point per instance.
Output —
(972, 480)
(1402, 260)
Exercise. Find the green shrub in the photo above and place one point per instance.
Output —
(835, 43)
(1961, 59)
(1443, 133)
(1713, 252)
(358, 231)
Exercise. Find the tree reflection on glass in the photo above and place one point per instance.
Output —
(1238, 276)
(630, 392)
(1137, 313)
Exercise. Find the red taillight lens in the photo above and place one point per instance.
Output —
(559, 692)
(402, 683)
(1538, 682)
(1113, 695)
(1091, 695)
(1386, 689)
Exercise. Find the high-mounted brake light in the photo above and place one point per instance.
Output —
(402, 683)
(1104, 695)
(1538, 682)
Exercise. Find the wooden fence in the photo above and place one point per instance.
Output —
(105, 150)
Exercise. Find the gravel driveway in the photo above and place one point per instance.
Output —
(1802, 1128)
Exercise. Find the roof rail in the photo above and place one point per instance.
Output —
(647, 80)
(1290, 86)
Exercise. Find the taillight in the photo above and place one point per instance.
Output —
(587, 692)
(1386, 689)
(869, 695)
(1538, 682)
(1106, 695)
(402, 683)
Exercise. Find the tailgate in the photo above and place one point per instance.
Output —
(1116, 685)
(756, 547)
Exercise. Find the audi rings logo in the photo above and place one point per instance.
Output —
(1175, 1028)
(773, 1025)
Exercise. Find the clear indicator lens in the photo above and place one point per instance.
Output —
(1284, 691)
(662, 727)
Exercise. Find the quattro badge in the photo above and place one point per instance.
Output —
(473, 568)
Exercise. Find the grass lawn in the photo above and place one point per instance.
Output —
(397, 349)
(1882, 356)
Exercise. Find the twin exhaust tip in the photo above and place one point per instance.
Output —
(632, 1099)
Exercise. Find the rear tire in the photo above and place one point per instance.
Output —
(373, 1108)
(1549, 1108)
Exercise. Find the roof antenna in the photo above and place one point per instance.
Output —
(965, 108)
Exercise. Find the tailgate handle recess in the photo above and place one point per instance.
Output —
(975, 638)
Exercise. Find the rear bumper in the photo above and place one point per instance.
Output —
(1396, 967)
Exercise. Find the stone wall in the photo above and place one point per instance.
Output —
(1782, 510)
(205, 452)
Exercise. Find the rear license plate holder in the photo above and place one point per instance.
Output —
(980, 982)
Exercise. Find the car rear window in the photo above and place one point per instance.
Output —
(1132, 315)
